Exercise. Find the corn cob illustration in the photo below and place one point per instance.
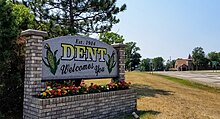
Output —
(111, 62)
(52, 61)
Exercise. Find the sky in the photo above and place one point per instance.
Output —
(170, 28)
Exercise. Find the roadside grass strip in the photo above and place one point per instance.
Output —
(191, 84)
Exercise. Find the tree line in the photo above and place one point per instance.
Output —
(58, 18)
(132, 56)
(200, 60)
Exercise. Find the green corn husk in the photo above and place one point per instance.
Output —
(50, 59)
(110, 63)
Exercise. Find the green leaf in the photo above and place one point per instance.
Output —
(58, 61)
(45, 63)
(53, 71)
(55, 52)
(113, 64)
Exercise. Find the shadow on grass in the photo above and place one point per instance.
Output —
(148, 114)
(145, 90)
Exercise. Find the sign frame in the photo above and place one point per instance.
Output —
(78, 57)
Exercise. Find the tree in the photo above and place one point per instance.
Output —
(145, 65)
(24, 19)
(7, 39)
(77, 16)
(198, 56)
(213, 56)
(132, 57)
(13, 19)
(170, 64)
(111, 37)
(158, 63)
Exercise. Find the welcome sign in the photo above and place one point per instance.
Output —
(77, 57)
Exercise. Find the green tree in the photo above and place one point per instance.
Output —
(213, 56)
(111, 37)
(145, 65)
(158, 63)
(170, 64)
(13, 19)
(198, 56)
(24, 19)
(8, 34)
(76, 16)
(132, 57)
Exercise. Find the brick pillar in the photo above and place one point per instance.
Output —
(120, 48)
(33, 68)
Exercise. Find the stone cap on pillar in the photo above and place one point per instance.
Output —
(29, 32)
(119, 45)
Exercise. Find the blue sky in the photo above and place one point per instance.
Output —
(170, 27)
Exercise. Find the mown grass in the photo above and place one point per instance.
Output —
(98, 81)
(150, 114)
(145, 87)
(142, 89)
(191, 84)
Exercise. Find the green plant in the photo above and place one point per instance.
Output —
(111, 62)
(61, 88)
(51, 59)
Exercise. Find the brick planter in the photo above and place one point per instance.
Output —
(105, 105)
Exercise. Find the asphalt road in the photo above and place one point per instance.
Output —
(205, 77)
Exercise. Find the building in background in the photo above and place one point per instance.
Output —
(184, 64)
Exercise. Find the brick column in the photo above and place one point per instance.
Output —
(33, 68)
(120, 48)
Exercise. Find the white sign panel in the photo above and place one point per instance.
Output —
(77, 57)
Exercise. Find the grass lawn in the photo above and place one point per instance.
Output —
(138, 85)
(160, 96)
(191, 83)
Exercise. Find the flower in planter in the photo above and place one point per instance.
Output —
(94, 88)
(54, 94)
(52, 91)
(82, 89)
(82, 83)
(47, 91)
(113, 86)
(59, 93)
(64, 88)
(58, 90)
(64, 92)
(124, 85)
(59, 87)
(44, 94)
(75, 88)
(73, 91)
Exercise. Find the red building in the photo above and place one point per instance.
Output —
(184, 64)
